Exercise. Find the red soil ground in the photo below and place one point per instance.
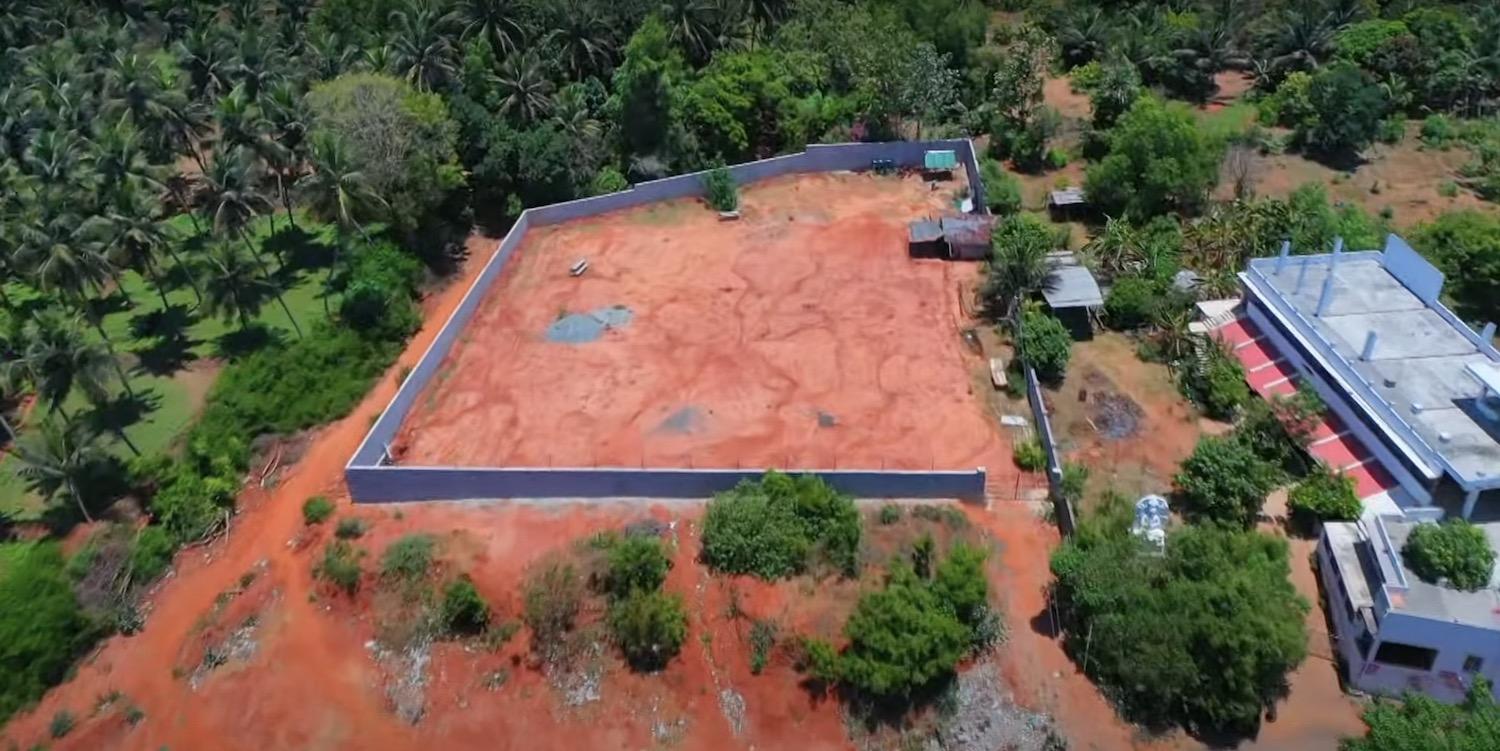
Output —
(801, 335)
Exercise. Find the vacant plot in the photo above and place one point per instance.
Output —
(802, 335)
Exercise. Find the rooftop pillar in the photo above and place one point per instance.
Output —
(1369, 350)
(1326, 297)
(1488, 334)
(1286, 250)
(1469, 501)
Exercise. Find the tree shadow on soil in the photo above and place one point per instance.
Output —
(116, 414)
(106, 481)
(170, 349)
(299, 249)
(238, 343)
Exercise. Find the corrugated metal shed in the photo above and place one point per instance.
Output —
(1074, 285)
(940, 160)
(1067, 197)
(970, 229)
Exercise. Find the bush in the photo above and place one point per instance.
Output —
(890, 513)
(1143, 622)
(340, 566)
(1002, 191)
(1347, 107)
(1158, 162)
(1392, 129)
(463, 611)
(1325, 496)
(775, 527)
(1421, 722)
(1224, 481)
(62, 723)
(408, 558)
(762, 640)
(960, 583)
(649, 627)
(1454, 550)
(1133, 302)
(902, 639)
(1046, 345)
(1217, 383)
(42, 626)
(721, 190)
(1030, 456)
(636, 564)
(316, 510)
(349, 528)
(151, 553)
(553, 596)
(1438, 131)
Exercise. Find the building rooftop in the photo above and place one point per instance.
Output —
(925, 231)
(1375, 320)
(1073, 284)
(969, 229)
(1067, 197)
(1409, 594)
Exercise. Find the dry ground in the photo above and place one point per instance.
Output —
(801, 335)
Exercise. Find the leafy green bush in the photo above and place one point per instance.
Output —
(721, 190)
(1046, 344)
(1217, 383)
(890, 513)
(762, 639)
(1030, 456)
(1159, 161)
(463, 611)
(1225, 481)
(1325, 496)
(1133, 302)
(1002, 191)
(1438, 131)
(1454, 550)
(1347, 107)
(775, 527)
(349, 528)
(902, 639)
(650, 627)
(1141, 621)
(636, 564)
(553, 595)
(340, 566)
(62, 723)
(42, 626)
(151, 553)
(316, 510)
(408, 558)
(1420, 722)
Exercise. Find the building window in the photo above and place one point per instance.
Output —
(1473, 664)
(1405, 655)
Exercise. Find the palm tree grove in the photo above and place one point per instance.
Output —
(223, 221)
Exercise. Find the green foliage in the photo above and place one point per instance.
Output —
(1290, 105)
(1029, 455)
(349, 528)
(650, 628)
(42, 627)
(1438, 131)
(1420, 722)
(408, 558)
(890, 513)
(1075, 477)
(1466, 246)
(1455, 551)
(463, 610)
(609, 180)
(340, 566)
(151, 553)
(1019, 266)
(1157, 162)
(1346, 110)
(763, 636)
(636, 564)
(62, 723)
(1203, 636)
(1046, 344)
(1367, 43)
(959, 582)
(1002, 191)
(1325, 496)
(1224, 481)
(316, 510)
(1118, 88)
(1216, 382)
(902, 639)
(1133, 302)
(720, 189)
(377, 299)
(778, 526)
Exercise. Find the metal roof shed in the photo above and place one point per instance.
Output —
(1074, 286)
(940, 160)
(968, 236)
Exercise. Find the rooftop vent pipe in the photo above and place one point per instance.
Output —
(1369, 351)
(1286, 250)
(1326, 298)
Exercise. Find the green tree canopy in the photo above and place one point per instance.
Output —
(1466, 246)
(1224, 480)
(1158, 161)
(42, 628)
(1418, 723)
(1455, 551)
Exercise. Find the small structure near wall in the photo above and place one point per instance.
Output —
(957, 238)
(1068, 203)
(939, 163)
(1073, 294)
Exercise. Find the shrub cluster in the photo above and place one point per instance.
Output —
(1225, 481)
(42, 626)
(1325, 496)
(720, 189)
(777, 526)
(649, 625)
(463, 610)
(1455, 551)
(1030, 456)
(340, 566)
(1046, 344)
(316, 510)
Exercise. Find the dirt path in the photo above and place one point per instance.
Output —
(141, 666)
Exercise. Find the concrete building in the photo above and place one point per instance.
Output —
(1396, 633)
(1412, 387)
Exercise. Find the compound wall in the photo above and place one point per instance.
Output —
(371, 479)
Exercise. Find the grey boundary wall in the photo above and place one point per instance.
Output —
(372, 481)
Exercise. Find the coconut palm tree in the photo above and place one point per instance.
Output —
(1300, 40)
(118, 163)
(202, 55)
(1117, 250)
(254, 67)
(58, 459)
(288, 118)
(55, 358)
(233, 290)
(233, 202)
(1083, 35)
(581, 37)
(240, 121)
(495, 20)
(524, 88)
(422, 45)
(131, 229)
(327, 54)
(336, 190)
(1019, 267)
